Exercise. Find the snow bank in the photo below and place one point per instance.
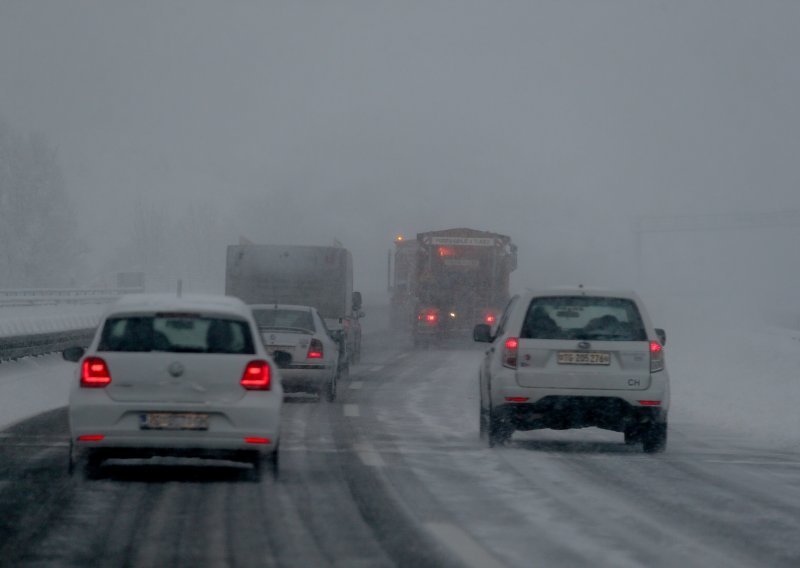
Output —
(731, 370)
(48, 319)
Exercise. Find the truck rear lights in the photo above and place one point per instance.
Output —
(315, 350)
(257, 376)
(94, 373)
(91, 438)
(256, 440)
(656, 357)
(517, 399)
(510, 351)
(428, 317)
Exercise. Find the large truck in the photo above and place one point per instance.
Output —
(316, 276)
(444, 282)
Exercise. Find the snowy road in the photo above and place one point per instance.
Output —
(393, 473)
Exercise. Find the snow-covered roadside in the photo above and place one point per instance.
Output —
(32, 386)
(48, 319)
(740, 376)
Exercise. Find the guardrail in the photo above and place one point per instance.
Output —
(19, 346)
(50, 296)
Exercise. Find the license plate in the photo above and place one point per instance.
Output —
(584, 358)
(273, 348)
(174, 421)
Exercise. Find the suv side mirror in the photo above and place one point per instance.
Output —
(73, 354)
(482, 333)
(662, 335)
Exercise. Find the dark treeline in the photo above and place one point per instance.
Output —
(38, 234)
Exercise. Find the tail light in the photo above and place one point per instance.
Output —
(510, 351)
(315, 350)
(429, 317)
(257, 376)
(490, 319)
(94, 373)
(656, 357)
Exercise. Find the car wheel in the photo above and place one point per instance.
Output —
(499, 430)
(633, 435)
(91, 465)
(268, 465)
(654, 438)
(330, 388)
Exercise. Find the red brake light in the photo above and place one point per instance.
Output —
(656, 357)
(517, 399)
(94, 373)
(91, 438)
(430, 317)
(257, 376)
(315, 350)
(650, 402)
(510, 352)
(490, 319)
(254, 440)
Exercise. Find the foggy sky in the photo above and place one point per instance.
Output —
(559, 123)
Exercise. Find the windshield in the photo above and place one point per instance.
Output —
(583, 317)
(184, 334)
(283, 318)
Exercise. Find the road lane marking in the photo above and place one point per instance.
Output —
(351, 410)
(376, 369)
(463, 546)
(368, 456)
(754, 462)
(356, 385)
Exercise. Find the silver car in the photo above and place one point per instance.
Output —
(175, 376)
(575, 358)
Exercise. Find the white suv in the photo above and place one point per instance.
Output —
(575, 358)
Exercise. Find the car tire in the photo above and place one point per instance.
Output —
(266, 465)
(654, 438)
(633, 435)
(483, 423)
(331, 387)
(90, 465)
(499, 431)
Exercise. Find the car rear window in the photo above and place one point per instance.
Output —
(283, 318)
(583, 317)
(180, 333)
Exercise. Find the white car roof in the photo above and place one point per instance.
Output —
(582, 291)
(186, 302)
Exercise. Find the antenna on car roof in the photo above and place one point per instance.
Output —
(180, 287)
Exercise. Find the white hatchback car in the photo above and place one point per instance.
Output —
(175, 376)
(575, 358)
(301, 345)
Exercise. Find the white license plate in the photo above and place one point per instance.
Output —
(174, 421)
(271, 349)
(584, 358)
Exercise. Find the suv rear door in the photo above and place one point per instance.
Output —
(583, 342)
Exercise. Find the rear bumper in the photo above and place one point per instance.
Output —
(306, 379)
(566, 412)
(257, 415)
